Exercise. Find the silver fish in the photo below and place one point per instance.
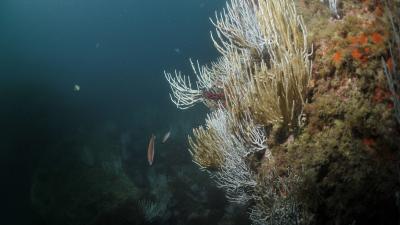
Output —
(166, 137)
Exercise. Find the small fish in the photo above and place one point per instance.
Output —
(166, 136)
(150, 150)
(177, 50)
(77, 88)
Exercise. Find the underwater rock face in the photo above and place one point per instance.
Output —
(322, 149)
(348, 151)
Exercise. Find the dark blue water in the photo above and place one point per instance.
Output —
(116, 51)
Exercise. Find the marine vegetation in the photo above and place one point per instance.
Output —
(304, 121)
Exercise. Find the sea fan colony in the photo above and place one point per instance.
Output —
(256, 87)
(264, 59)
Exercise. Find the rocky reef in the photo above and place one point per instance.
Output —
(348, 151)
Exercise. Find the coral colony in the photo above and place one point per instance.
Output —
(304, 114)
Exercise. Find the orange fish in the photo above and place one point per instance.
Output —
(150, 150)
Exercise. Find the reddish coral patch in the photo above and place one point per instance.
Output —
(353, 40)
(378, 10)
(356, 54)
(337, 57)
(368, 142)
(367, 50)
(380, 95)
(362, 39)
(376, 38)
(390, 105)
(389, 64)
